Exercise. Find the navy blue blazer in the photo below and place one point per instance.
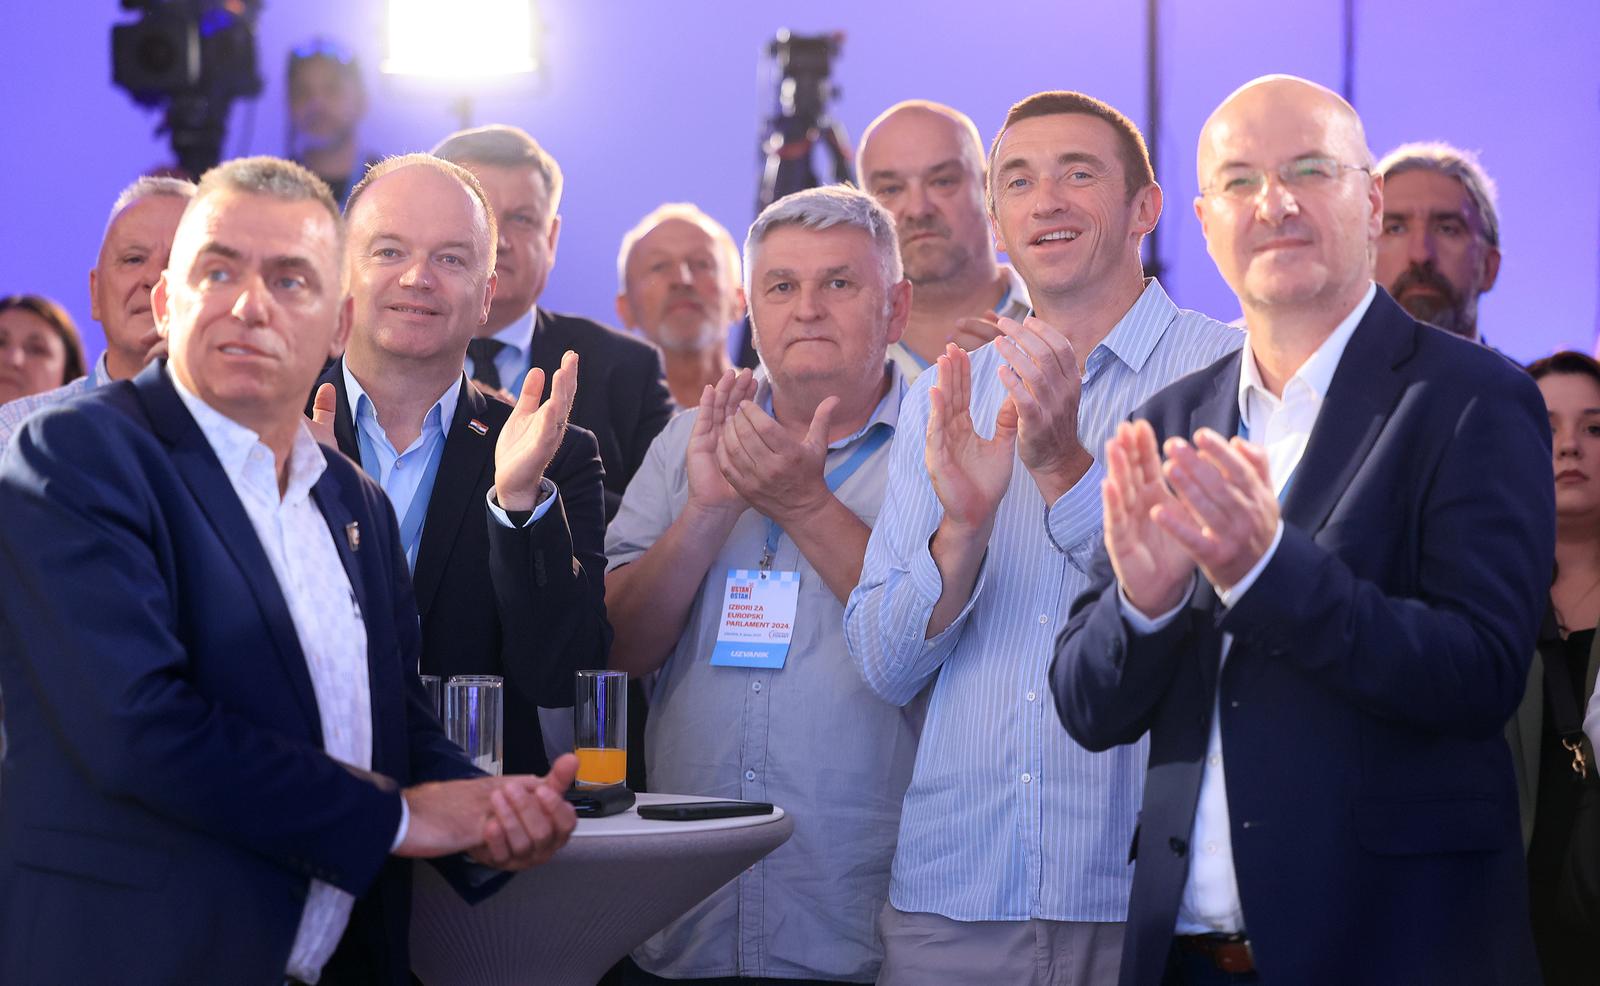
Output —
(622, 391)
(527, 604)
(1371, 801)
(165, 799)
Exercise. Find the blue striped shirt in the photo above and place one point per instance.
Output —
(1006, 817)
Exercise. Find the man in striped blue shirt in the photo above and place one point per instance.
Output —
(1012, 862)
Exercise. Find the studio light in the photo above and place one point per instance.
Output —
(460, 39)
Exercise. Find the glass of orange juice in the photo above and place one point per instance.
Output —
(600, 727)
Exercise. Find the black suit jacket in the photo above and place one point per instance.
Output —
(622, 391)
(527, 604)
(1371, 804)
(166, 792)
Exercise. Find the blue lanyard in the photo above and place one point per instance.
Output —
(835, 478)
(417, 511)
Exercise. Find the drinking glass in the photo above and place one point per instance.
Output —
(600, 727)
(474, 718)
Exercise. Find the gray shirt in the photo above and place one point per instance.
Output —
(811, 738)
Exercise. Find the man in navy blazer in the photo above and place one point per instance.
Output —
(624, 398)
(510, 585)
(1329, 798)
(208, 645)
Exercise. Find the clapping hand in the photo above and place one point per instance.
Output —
(1042, 376)
(970, 474)
(532, 434)
(509, 822)
(708, 488)
(1225, 513)
(1152, 567)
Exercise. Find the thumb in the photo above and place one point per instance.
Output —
(817, 434)
(1005, 422)
(325, 405)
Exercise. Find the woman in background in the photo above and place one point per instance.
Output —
(39, 346)
(1559, 786)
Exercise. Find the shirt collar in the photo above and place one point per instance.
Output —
(1136, 333)
(886, 413)
(518, 336)
(437, 420)
(1316, 373)
(101, 375)
(232, 444)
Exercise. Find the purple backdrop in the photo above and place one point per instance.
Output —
(644, 103)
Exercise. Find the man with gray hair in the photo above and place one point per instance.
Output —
(623, 400)
(221, 749)
(133, 252)
(678, 282)
(1440, 245)
(924, 161)
(735, 548)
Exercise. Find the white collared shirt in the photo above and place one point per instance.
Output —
(327, 622)
(1283, 427)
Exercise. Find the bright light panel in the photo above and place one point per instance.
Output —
(460, 39)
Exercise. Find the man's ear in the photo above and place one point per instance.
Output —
(1491, 269)
(899, 309)
(555, 238)
(1147, 208)
(625, 311)
(94, 297)
(489, 285)
(158, 303)
(341, 336)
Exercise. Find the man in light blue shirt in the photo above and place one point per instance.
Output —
(1012, 863)
(501, 510)
(133, 253)
(752, 510)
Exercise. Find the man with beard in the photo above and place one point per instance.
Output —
(678, 283)
(132, 256)
(1440, 246)
(924, 162)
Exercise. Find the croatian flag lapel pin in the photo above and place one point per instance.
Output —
(352, 534)
(478, 426)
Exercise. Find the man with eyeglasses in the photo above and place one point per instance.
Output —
(1318, 596)
(1440, 245)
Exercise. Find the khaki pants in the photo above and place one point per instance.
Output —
(932, 950)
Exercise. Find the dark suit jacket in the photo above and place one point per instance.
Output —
(527, 604)
(622, 391)
(1374, 663)
(166, 798)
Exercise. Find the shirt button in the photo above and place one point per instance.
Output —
(1214, 760)
(1032, 696)
(749, 775)
(1043, 619)
(1027, 778)
(1211, 849)
(755, 686)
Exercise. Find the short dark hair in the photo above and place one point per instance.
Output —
(60, 322)
(1131, 148)
(1567, 362)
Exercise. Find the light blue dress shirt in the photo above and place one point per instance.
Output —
(1006, 817)
(512, 361)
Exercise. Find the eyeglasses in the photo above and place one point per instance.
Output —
(1304, 174)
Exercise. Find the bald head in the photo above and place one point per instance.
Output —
(923, 161)
(1288, 204)
(1269, 105)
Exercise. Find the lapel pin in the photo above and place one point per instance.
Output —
(352, 533)
(478, 426)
